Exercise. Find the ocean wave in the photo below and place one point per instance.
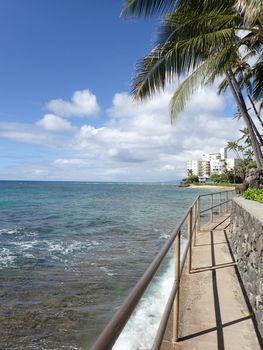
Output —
(25, 245)
(6, 258)
(29, 256)
(164, 236)
(5, 231)
(140, 330)
(17, 232)
(107, 271)
(66, 248)
(16, 246)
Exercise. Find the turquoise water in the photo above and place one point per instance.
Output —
(71, 252)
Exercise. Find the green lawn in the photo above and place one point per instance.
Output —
(227, 184)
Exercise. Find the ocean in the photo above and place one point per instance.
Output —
(70, 252)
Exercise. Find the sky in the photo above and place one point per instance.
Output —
(66, 112)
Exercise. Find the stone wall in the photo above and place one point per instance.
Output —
(253, 179)
(246, 240)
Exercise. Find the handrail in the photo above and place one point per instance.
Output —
(215, 193)
(214, 206)
(114, 328)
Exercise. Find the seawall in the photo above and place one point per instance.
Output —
(246, 240)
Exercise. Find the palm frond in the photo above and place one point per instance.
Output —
(258, 81)
(148, 7)
(196, 29)
(191, 22)
(151, 7)
(250, 9)
(200, 77)
(190, 85)
(237, 114)
(222, 86)
(173, 59)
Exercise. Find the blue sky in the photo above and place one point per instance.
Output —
(53, 50)
(53, 47)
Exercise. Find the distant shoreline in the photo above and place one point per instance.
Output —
(212, 186)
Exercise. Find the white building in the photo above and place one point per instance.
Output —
(231, 163)
(217, 166)
(211, 163)
(199, 167)
(211, 156)
(223, 153)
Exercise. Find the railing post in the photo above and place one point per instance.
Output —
(211, 205)
(198, 214)
(177, 275)
(195, 222)
(220, 201)
(190, 234)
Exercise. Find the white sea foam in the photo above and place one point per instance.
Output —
(164, 236)
(75, 245)
(25, 245)
(16, 231)
(6, 258)
(8, 231)
(29, 256)
(108, 271)
(140, 331)
(66, 248)
(54, 247)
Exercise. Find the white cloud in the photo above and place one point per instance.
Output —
(70, 162)
(52, 122)
(82, 104)
(27, 133)
(137, 142)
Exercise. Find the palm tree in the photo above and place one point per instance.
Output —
(244, 74)
(252, 12)
(245, 138)
(233, 146)
(198, 39)
(251, 9)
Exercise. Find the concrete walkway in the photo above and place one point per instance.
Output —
(214, 314)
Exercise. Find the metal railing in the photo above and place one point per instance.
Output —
(193, 218)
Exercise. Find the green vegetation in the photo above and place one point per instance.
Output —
(225, 184)
(192, 179)
(200, 42)
(254, 194)
(244, 152)
(228, 176)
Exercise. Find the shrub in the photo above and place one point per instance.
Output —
(254, 194)
(192, 178)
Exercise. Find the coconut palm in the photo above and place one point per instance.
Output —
(148, 7)
(251, 9)
(198, 39)
(252, 13)
(244, 74)
(233, 146)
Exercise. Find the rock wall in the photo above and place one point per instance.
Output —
(253, 179)
(246, 240)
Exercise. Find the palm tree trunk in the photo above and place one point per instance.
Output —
(252, 101)
(260, 139)
(243, 110)
(254, 108)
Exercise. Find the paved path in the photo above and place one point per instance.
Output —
(213, 309)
